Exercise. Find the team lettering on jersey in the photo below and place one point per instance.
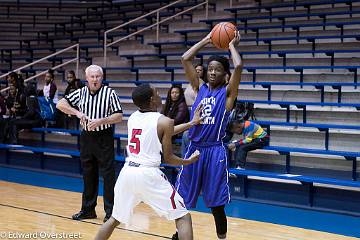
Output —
(208, 105)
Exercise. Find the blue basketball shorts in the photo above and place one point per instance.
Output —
(208, 175)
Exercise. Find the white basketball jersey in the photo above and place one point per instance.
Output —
(144, 146)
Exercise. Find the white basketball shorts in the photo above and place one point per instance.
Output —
(148, 185)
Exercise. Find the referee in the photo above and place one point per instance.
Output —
(99, 107)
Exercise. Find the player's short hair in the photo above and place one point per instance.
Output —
(142, 94)
(94, 68)
(222, 60)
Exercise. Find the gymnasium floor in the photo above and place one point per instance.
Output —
(28, 209)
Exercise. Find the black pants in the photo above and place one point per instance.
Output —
(97, 152)
(3, 129)
(242, 150)
(71, 122)
(15, 125)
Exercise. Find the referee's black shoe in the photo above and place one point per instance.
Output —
(84, 215)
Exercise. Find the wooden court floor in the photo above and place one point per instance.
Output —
(29, 209)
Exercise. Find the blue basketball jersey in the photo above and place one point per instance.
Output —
(212, 128)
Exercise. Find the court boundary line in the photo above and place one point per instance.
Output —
(83, 221)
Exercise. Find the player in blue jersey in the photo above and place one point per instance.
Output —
(209, 175)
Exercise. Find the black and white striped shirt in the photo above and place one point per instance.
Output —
(102, 104)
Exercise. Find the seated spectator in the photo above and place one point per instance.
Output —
(20, 84)
(15, 102)
(31, 117)
(2, 120)
(73, 83)
(2, 106)
(50, 91)
(16, 80)
(50, 88)
(254, 137)
(71, 122)
(12, 78)
(175, 106)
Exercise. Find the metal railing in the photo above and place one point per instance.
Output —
(157, 24)
(77, 59)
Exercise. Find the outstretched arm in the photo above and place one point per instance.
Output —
(166, 131)
(187, 59)
(194, 121)
(232, 88)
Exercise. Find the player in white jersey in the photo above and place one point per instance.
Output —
(141, 180)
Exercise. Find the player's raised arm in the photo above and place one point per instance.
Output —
(165, 131)
(187, 61)
(232, 88)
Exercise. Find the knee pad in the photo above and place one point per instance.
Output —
(220, 219)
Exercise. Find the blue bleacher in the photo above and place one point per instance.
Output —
(252, 69)
(76, 133)
(294, 5)
(295, 177)
(308, 183)
(302, 105)
(281, 17)
(292, 26)
(351, 156)
(319, 86)
(280, 53)
(267, 40)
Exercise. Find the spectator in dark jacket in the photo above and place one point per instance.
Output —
(12, 107)
(15, 102)
(2, 106)
(31, 117)
(16, 80)
(70, 122)
(2, 120)
(175, 105)
(73, 83)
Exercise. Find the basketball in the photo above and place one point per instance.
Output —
(222, 34)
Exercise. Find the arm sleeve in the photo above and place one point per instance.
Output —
(74, 98)
(2, 106)
(115, 104)
(247, 139)
(248, 134)
(53, 89)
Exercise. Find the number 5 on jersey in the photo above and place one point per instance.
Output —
(134, 147)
